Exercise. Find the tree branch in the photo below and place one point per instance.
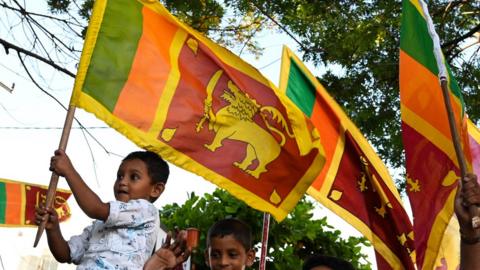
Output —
(25, 12)
(7, 45)
(282, 27)
(54, 38)
(453, 43)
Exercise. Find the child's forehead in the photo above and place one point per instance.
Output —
(134, 163)
(226, 242)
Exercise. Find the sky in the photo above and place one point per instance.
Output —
(30, 130)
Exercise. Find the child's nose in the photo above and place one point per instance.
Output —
(122, 181)
(224, 261)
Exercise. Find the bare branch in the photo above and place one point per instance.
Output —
(453, 43)
(7, 45)
(25, 12)
(47, 33)
(283, 28)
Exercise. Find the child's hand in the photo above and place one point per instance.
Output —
(169, 255)
(49, 214)
(60, 163)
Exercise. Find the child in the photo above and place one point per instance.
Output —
(229, 246)
(124, 232)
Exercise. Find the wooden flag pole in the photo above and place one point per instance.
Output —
(266, 229)
(443, 74)
(472, 209)
(52, 187)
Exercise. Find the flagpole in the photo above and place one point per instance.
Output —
(472, 209)
(265, 231)
(52, 187)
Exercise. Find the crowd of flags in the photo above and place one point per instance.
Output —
(200, 105)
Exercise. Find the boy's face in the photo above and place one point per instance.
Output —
(133, 182)
(228, 253)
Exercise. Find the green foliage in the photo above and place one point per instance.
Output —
(290, 241)
(58, 6)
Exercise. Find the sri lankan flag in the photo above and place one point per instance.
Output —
(18, 201)
(354, 182)
(431, 163)
(171, 90)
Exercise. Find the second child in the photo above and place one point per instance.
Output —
(229, 246)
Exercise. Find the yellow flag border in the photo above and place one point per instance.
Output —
(88, 46)
(435, 238)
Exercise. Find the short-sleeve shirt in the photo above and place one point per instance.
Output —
(124, 241)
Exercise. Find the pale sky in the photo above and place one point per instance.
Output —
(30, 123)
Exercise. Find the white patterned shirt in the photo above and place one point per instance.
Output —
(124, 241)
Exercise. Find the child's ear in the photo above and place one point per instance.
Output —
(157, 190)
(207, 259)
(250, 258)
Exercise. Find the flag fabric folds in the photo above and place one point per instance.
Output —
(474, 144)
(18, 201)
(171, 90)
(431, 163)
(354, 183)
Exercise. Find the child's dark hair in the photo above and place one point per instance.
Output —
(331, 262)
(156, 166)
(231, 226)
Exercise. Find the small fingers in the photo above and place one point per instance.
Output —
(470, 191)
(184, 256)
(470, 177)
(167, 240)
(52, 163)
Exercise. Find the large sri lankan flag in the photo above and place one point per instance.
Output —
(171, 90)
(354, 182)
(431, 163)
(18, 201)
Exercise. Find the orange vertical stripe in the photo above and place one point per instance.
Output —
(139, 98)
(323, 117)
(422, 94)
(14, 203)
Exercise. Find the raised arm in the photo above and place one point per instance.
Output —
(468, 194)
(90, 203)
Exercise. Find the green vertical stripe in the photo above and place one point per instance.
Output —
(3, 202)
(114, 51)
(300, 90)
(415, 39)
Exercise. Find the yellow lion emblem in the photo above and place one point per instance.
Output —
(235, 122)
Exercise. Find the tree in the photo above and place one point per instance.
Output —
(290, 241)
(355, 42)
